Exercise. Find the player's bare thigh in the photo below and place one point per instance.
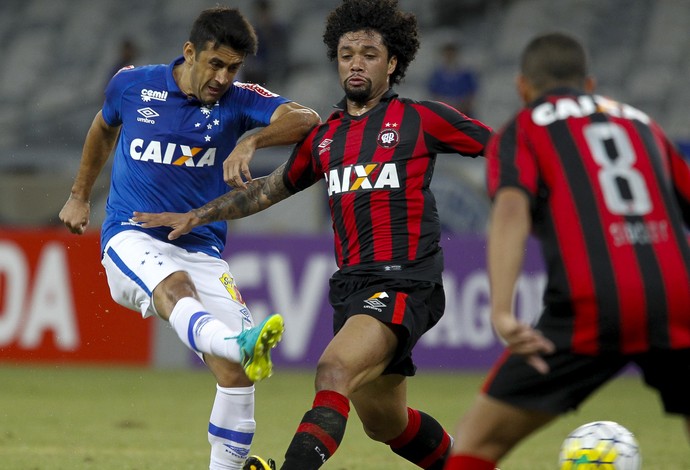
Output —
(357, 355)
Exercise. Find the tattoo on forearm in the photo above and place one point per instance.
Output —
(260, 194)
(274, 190)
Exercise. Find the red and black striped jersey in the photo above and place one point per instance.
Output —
(610, 199)
(377, 169)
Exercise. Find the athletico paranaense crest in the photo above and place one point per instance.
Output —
(388, 137)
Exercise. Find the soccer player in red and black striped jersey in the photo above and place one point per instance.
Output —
(608, 196)
(376, 153)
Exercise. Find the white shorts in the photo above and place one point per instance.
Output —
(135, 263)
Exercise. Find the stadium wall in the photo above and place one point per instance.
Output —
(55, 306)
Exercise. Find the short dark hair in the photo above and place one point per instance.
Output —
(223, 26)
(397, 28)
(554, 59)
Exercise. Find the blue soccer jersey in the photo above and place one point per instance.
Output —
(170, 152)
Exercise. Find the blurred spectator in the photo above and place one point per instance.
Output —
(455, 13)
(453, 83)
(270, 66)
(127, 54)
(684, 146)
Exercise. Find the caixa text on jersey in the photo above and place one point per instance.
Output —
(169, 153)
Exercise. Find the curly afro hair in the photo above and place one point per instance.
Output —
(398, 29)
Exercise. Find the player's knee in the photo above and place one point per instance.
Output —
(168, 292)
(179, 285)
(333, 374)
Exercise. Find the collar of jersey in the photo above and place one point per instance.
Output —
(387, 96)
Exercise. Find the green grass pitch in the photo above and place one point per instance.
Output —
(57, 417)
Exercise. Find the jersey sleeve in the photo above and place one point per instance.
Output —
(447, 130)
(511, 163)
(301, 170)
(258, 103)
(112, 106)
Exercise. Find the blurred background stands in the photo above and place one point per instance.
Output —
(59, 53)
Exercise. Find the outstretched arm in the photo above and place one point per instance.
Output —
(260, 194)
(508, 231)
(289, 124)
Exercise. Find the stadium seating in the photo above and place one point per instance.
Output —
(58, 55)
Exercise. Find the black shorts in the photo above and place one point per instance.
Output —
(574, 377)
(415, 306)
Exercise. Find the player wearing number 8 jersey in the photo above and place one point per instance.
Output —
(598, 178)
(608, 196)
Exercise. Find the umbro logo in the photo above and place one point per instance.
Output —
(147, 114)
(237, 451)
(325, 145)
(375, 302)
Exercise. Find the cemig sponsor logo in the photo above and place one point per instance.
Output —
(158, 95)
(362, 177)
(170, 153)
(146, 115)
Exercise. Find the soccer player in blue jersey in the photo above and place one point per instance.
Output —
(175, 130)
